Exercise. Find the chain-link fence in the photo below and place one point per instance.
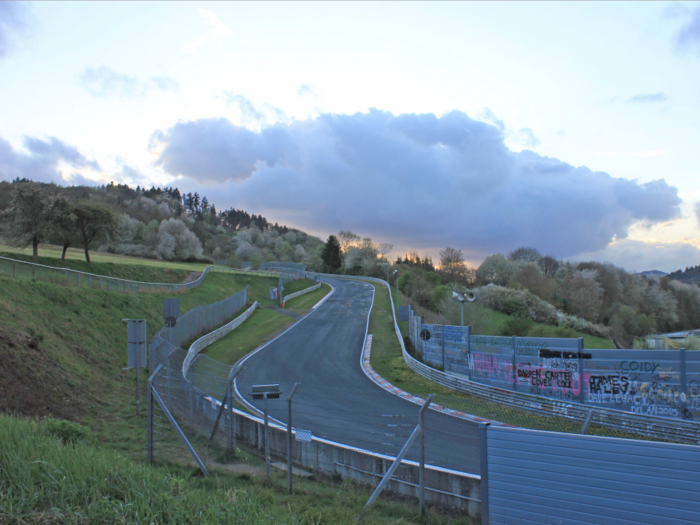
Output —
(337, 433)
(67, 277)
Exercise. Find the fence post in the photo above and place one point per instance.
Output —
(33, 268)
(581, 386)
(683, 378)
(150, 413)
(469, 353)
(13, 270)
(289, 438)
(421, 469)
(483, 449)
(267, 440)
(514, 366)
(442, 340)
(191, 400)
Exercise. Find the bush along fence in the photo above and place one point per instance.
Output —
(22, 269)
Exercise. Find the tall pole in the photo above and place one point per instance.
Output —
(267, 441)
(421, 468)
(289, 438)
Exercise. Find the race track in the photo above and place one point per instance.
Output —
(336, 400)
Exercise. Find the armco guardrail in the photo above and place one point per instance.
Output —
(201, 343)
(16, 268)
(301, 292)
(651, 426)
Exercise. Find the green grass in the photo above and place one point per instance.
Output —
(387, 360)
(258, 328)
(485, 321)
(52, 254)
(297, 286)
(305, 302)
(45, 479)
(262, 326)
(62, 350)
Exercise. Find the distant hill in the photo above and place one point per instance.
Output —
(691, 275)
(656, 273)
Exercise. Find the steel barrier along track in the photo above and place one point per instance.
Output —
(654, 427)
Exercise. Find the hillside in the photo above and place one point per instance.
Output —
(691, 275)
(148, 219)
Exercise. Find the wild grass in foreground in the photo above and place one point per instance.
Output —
(52, 476)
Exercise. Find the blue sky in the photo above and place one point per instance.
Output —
(571, 127)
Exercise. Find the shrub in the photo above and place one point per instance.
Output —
(518, 326)
(67, 431)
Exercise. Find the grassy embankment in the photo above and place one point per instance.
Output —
(75, 259)
(62, 350)
(387, 361)
(263, 325)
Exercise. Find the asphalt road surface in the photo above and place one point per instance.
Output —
(336, 400)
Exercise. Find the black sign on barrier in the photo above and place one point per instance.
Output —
(425, 335)
(171, 311)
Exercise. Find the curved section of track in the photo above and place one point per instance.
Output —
(336, 400)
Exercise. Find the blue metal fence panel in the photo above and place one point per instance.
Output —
(537, 477)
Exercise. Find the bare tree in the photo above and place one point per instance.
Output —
(347, 239)
(65, 224)
(29, 219)
(453, 269)
(93, 222)
(548, 265)
(524, 254)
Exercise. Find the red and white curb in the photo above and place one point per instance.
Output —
(383, 383)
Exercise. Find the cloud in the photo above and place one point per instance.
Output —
(688, 36)
(43, 162)
(522, 137)
(641, 256)
(13, 19)
(103, 81)
(411, 179)
(696, 209)
(649, 98)
(252, 115)
(217, 31)
(305, 90)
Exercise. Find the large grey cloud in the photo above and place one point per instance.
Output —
(103, 81)
(416, 180)
(41, 163)
(688, 37)
(640, 256)
(13, 19)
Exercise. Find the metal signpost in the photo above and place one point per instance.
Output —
(136, 352)
(266, 392)
(171, 311)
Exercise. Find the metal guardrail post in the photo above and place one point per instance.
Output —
(289, 438)
(484, 470)
(581, 385)
(402, 454)
(421, 470)
(587, 422)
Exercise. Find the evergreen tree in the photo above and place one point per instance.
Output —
(332, 260)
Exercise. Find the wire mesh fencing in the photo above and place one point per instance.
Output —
(338, 433)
